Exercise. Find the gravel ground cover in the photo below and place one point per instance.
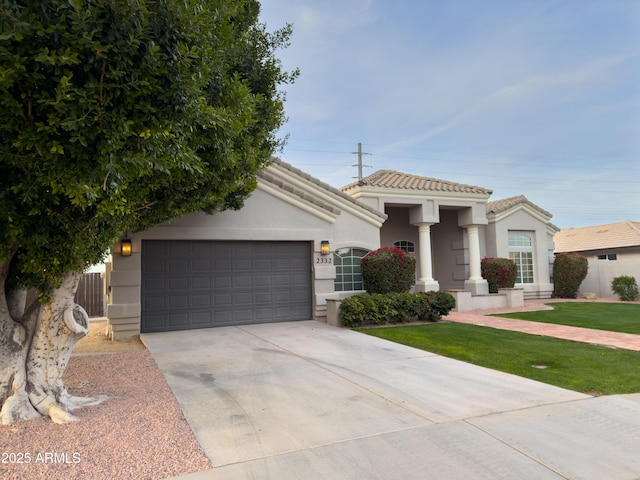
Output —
(139, 432)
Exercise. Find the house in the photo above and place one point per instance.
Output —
(297, 243)
(612, 250)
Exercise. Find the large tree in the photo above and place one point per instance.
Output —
(116, 115)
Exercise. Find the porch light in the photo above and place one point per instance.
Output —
(125, 247)
(325, 247)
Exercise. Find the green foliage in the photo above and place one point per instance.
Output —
(499, 273)
(577, 366)
(613, 317)
(625, 287)
(388, 270)
(119, 115)
(569, 270)
(394, 307)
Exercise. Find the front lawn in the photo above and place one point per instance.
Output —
(576, 366)
(614, 317)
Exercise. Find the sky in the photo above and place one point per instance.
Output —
(524, 97)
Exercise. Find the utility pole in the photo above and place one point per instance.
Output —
(359, 164)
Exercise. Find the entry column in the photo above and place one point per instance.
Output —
(426, 281)
(475, 283)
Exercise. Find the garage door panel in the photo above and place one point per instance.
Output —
(243, 281)
(200, 301)
(200, 266)
(178, 321)
(263, 297)
(154, 303)
(198, 284)
(243, 298)
(223, 282)
(200, 319)
(178, 265)
(179, 283)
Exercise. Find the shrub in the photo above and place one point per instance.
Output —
(388, 270)
(569, 270)
(441, 302)
(499, 273)
(394, 307)
(626, 288)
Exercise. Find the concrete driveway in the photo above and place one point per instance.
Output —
(305, 400)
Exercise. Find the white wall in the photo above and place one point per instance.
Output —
(523, 221)
(263, 217)
(602, 272)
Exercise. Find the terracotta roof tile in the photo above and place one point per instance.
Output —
(398, 180)
(598, 237)
(499, 206)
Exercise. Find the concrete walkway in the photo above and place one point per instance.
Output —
(305, 400)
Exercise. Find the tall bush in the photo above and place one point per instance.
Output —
(626, 288)
(388, 270)
(569, 270)
(499, 273)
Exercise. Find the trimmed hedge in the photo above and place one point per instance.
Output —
(499, 273)
(626, 288)
(381, 308)
(569, 270)
(388, 270)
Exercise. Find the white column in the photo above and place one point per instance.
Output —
(475, 283)
(426, 269)
(474, 253)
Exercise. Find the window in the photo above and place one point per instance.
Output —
(608, 256)
(405, 245)
(521, 252)
(348, 274)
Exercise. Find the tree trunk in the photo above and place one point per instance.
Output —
(34, 353)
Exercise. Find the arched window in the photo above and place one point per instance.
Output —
(347, 263)
(405, 245)
(521, 252)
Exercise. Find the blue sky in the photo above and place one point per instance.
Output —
(533, 97)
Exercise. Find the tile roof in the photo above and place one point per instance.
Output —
(598, 237)
(398, 180)
(281, 183)
(499, 206)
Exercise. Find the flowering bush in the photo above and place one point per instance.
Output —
(569, 270)
(626, 288)
(499, 273)
(388, 270)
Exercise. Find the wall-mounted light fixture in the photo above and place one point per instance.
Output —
(125, 247)
(325, 247)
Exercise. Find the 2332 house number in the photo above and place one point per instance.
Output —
(325, 260)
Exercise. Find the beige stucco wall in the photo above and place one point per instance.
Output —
(263, 217)
(522, 220)
(602, 272)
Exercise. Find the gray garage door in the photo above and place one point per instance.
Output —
(201, 284)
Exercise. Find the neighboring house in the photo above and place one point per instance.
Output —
(612, 250)
(298, 242)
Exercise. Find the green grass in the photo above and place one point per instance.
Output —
(614, 317)
(581, 367)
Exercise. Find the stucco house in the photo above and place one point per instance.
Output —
(297, 243)
(612, 250)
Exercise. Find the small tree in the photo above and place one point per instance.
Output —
(499, 273)
(388, 270)
(569, 270)
(626, 288)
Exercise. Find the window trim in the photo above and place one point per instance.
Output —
(339, 284)
(521, 253)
